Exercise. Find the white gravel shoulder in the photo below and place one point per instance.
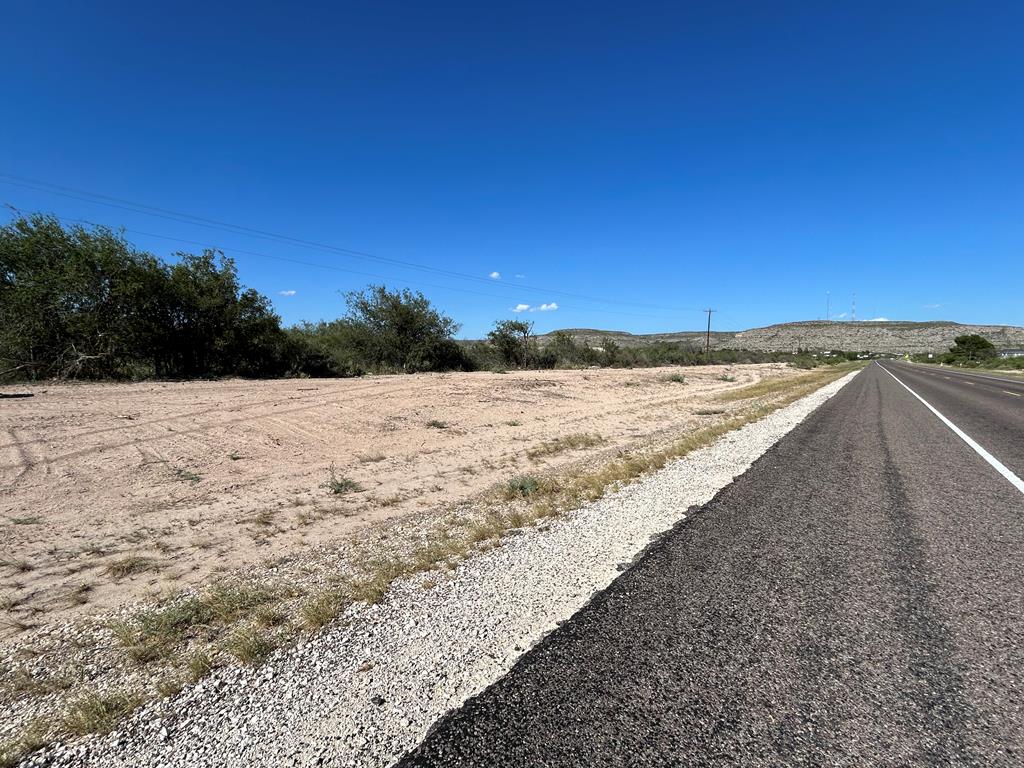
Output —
(368, 688)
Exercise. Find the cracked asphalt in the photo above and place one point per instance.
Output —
(855, 598)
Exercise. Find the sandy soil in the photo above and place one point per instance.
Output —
(182, 480)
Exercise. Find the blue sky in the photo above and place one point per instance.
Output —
(629, 163)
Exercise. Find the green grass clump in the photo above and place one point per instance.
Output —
(435, 424)
(674, 378)
(341, 485)
(521, 486)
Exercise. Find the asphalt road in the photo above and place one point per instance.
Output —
(855, 599)
(989, 409)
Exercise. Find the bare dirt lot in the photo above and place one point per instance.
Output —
(115, 492)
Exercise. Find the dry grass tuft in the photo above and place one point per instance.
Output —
(199, 666)
(561, 444)
(786, 387)
(94, 712)
(322, 609)
(20, 565)
(130, 565)
(249, 645)
(36, 735)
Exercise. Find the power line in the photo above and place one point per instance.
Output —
(186, 218)
(334, 268)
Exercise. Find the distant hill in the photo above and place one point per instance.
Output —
(890, 336)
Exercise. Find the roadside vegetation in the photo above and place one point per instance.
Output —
(974, 351)
(83, 303)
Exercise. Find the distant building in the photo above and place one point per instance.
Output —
(1011, 352)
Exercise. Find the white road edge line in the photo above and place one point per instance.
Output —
(996, 463)
(942, 372)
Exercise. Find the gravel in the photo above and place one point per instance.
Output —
(369, 687)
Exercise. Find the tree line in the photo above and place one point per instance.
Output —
(78, 302)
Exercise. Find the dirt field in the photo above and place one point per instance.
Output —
(112, 492)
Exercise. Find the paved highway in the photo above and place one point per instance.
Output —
(856, 598)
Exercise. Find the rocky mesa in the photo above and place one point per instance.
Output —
(891, 336)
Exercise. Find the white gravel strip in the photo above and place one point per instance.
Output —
(367, 689)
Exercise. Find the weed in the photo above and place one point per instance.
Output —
(18, 625)
(199, 666)
(264, 518)
(567, 443)
(21, 565)
(129, 566)
(521, 486)
(513, 423)
(490, 528)
(235, 456)
(709, 412)
(321, 609)
(726, 377)
(187, 475)
(35, 735)
(228, 603)
(341, 485)
(435, 424)
(30, 520)
(249, 645)
(23, 681)
(94, 712)
(270, 616)
(169, 686)
(674, 378)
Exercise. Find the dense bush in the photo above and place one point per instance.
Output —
(82, 303)
(386, 332)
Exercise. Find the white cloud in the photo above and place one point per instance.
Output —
(539, 308)
(879, 320)
(286, 293)
(495, 275)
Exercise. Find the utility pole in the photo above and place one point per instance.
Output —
(707, 343)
